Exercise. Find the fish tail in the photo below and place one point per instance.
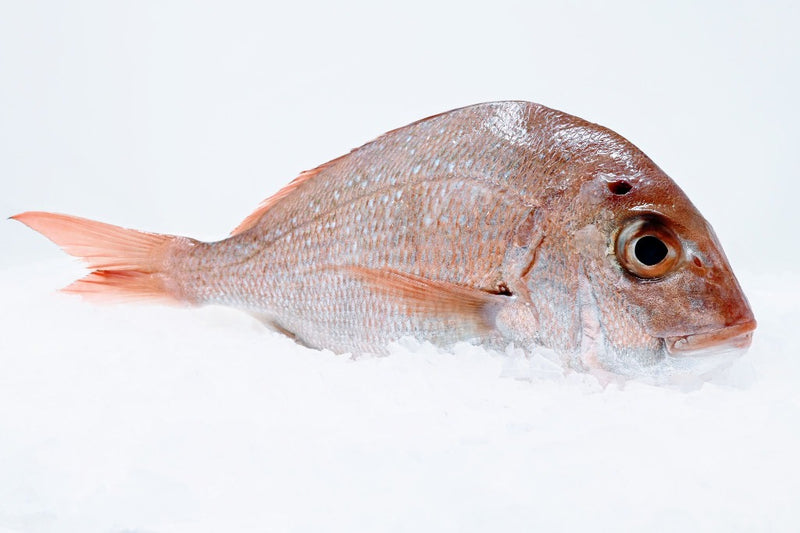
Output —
(126, 264)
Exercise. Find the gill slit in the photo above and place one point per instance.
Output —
(592, 336)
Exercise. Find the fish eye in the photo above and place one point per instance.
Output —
(647, 248)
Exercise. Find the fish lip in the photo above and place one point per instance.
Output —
(734, 337)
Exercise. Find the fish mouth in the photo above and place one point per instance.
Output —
(729, 338)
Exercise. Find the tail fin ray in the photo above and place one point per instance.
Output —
(128, 264)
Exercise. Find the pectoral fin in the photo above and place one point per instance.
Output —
(425, 296)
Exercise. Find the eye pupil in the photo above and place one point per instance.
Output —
(650, 250)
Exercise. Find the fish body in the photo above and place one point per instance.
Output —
(495, 223)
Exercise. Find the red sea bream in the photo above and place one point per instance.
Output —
(498, 223)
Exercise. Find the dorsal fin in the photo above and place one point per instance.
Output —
(422, 295)
(307, 175)
(253, 218)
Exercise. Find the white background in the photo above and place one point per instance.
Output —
(179, 117)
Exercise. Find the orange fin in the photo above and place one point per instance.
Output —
(118, 286)
(435, 297)
(253, 218)
(127, 264)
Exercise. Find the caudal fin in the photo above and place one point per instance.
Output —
(127, 264)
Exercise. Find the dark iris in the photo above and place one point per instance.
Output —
(650, 251)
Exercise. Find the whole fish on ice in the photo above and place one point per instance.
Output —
(495, 223)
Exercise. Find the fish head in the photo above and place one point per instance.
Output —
(655, 292)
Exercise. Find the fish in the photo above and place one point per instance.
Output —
(501, 223)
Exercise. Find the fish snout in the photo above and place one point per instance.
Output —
(729, 338)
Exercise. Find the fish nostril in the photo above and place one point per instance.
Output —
(619, 187)
(697, 262)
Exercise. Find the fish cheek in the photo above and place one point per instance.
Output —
(672, 306)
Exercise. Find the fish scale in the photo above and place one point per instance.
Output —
(302, 263)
